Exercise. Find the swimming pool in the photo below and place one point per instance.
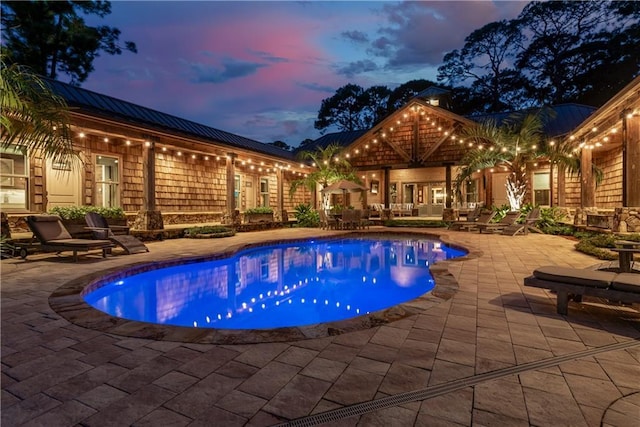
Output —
(280, 285)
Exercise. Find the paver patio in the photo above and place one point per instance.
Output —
(496, 353)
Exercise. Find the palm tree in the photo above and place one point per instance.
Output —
(515, 145)
(331, 167)
(563, 159)
(33, 117)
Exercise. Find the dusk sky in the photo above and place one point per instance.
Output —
(260, 69)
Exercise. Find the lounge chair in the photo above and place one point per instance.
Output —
(471, 217)
(484, 218)
(54, 237)
(529, 224)
(118, 234)
(493, 227)
(573, 283)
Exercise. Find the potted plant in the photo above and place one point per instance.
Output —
(258, 215)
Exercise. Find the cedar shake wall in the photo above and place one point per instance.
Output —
(609, 191)
(419, 175)
(572, 185)
(189, 185)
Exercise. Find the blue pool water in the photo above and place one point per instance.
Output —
(289, 284)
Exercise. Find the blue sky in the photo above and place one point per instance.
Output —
(261, 69)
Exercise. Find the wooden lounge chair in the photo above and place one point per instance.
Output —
(573, 283)
(471, 217)
(118, 234)
(493, 227)
(54, 237)
(529, 224)
(484, 218)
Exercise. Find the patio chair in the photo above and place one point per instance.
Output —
(365, 222)
(471, 217)
(118, 234)
(327, 222)
(484, 218)
(347, 221)
(493, 227)
(529, 224)
(286, 221)
(54, 237)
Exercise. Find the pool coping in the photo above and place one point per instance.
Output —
(67, 300)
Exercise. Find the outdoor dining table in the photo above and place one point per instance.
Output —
(626, 249)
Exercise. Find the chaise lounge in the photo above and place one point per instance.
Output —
(118, 234)
(529, 224)
(573, 283)
(54, 237)
(509, 219)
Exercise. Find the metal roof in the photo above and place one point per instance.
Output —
(567, 117)
(343, 139)
(117, 108)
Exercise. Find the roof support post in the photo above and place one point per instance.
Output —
(587, 183)
(630, 160)
(280, 191)
(448, 188)
(149, 177)
(387, 186)
(149, 218)
(231, 184)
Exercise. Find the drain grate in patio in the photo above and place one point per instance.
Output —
(431, 392)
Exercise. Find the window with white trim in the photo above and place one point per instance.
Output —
(264, 192)
(541, 189)
(14, 180)
(107, 182)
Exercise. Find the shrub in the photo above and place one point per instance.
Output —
(306, 216)
(558, 230)
(501, 212)
(415, 223)
(259, 210)
(219, 230)
(79, 212)
(597, 244)
(588, 247)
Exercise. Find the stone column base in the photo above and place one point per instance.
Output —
(148, 220)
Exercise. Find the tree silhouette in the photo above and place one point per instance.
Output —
(51, 37)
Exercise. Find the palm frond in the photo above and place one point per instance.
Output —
(33, 117)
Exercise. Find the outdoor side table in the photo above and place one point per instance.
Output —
(625, 251)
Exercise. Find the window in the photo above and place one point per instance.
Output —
(14, 178)
(407, 194)
(264, 192)
(437, 195)
(541, 189)
(107, 182)
(471, 192)
(236, 191)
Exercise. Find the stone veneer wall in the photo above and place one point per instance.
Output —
(627, 220)
(609, 191)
